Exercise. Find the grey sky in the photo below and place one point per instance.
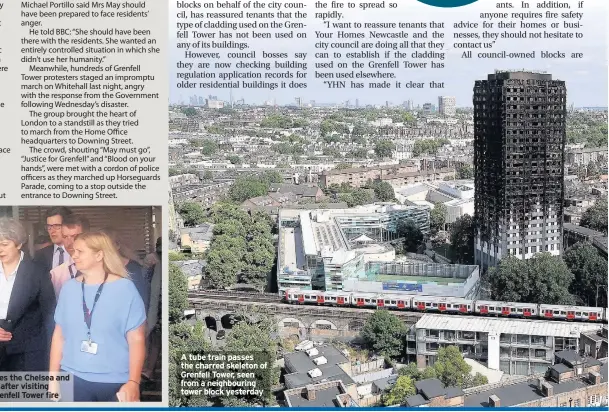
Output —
(586, 78)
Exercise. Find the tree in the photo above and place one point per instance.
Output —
(543, 278)
(384, 332)
(246, 187)
(331, 151)
(256, 339)
(592, 170)
(223, 267)
(360, 153)
(428, 146)
(595, 217)
(192, 213)
(413, 237)
(402, 389)
(271, 176)
(208, 175)
(465, 172)
(437, 217)
(384, 148)
(208, 147)
(415, 374)
(452, 370)
(590, 274)
(234, 159)
(184, 338)
(342, 166)
(462, 240)
(383, 191)
(189, 111)
(178, 293)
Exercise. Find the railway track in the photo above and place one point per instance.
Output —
(271, 298)
(236, 296)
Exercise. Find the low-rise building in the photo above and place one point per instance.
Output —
(514, 346)
(196, 239)
(433, 393)
(572, 382)
(326, 394)
(594, 343)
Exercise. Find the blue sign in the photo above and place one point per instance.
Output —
(407, 287)
(447, 3)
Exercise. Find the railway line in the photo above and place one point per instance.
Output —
(234, 296)
(271, 300)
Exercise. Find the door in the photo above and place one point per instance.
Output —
(320, 299)
(300, 298)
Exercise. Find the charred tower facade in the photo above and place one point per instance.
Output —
(519, 142)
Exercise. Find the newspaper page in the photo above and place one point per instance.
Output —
(388, 203)
(83, 155)
(303, 204)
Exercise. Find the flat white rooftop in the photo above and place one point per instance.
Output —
(504, 325)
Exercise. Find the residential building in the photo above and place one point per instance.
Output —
(326, 394)
(572, 381)
(594, 343)
(584, 156)
(428, 109)
(398, 175)
(513, 346)
(447, 106)
(519, 141)
(196, 239)
(433, 393)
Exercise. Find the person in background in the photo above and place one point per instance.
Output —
(41, 242)
(27, 304)
(152, 259)
(100, 325)
(154, 317)
(135, 270)
(73, 225)
(53, 255)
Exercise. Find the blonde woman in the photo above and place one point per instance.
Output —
(100, 329)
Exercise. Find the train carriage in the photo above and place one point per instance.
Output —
(395, 301)
(507, 309)
(334, 298)
(575, 313)
(442, 304)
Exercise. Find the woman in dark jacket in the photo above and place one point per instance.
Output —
(27, 304)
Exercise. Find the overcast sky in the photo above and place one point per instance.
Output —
(586, 78)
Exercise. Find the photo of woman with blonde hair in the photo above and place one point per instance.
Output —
(100, 330)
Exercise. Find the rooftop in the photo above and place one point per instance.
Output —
(202, 232)
(328, 394)
(503, 325)
(519, 393)
(298, 364)
(589, 233)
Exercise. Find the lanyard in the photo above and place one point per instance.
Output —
(88, 314)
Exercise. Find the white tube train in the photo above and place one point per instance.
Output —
(450, 305)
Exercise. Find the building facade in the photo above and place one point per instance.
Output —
(513, 346)
(447, 106)
(519, 142)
